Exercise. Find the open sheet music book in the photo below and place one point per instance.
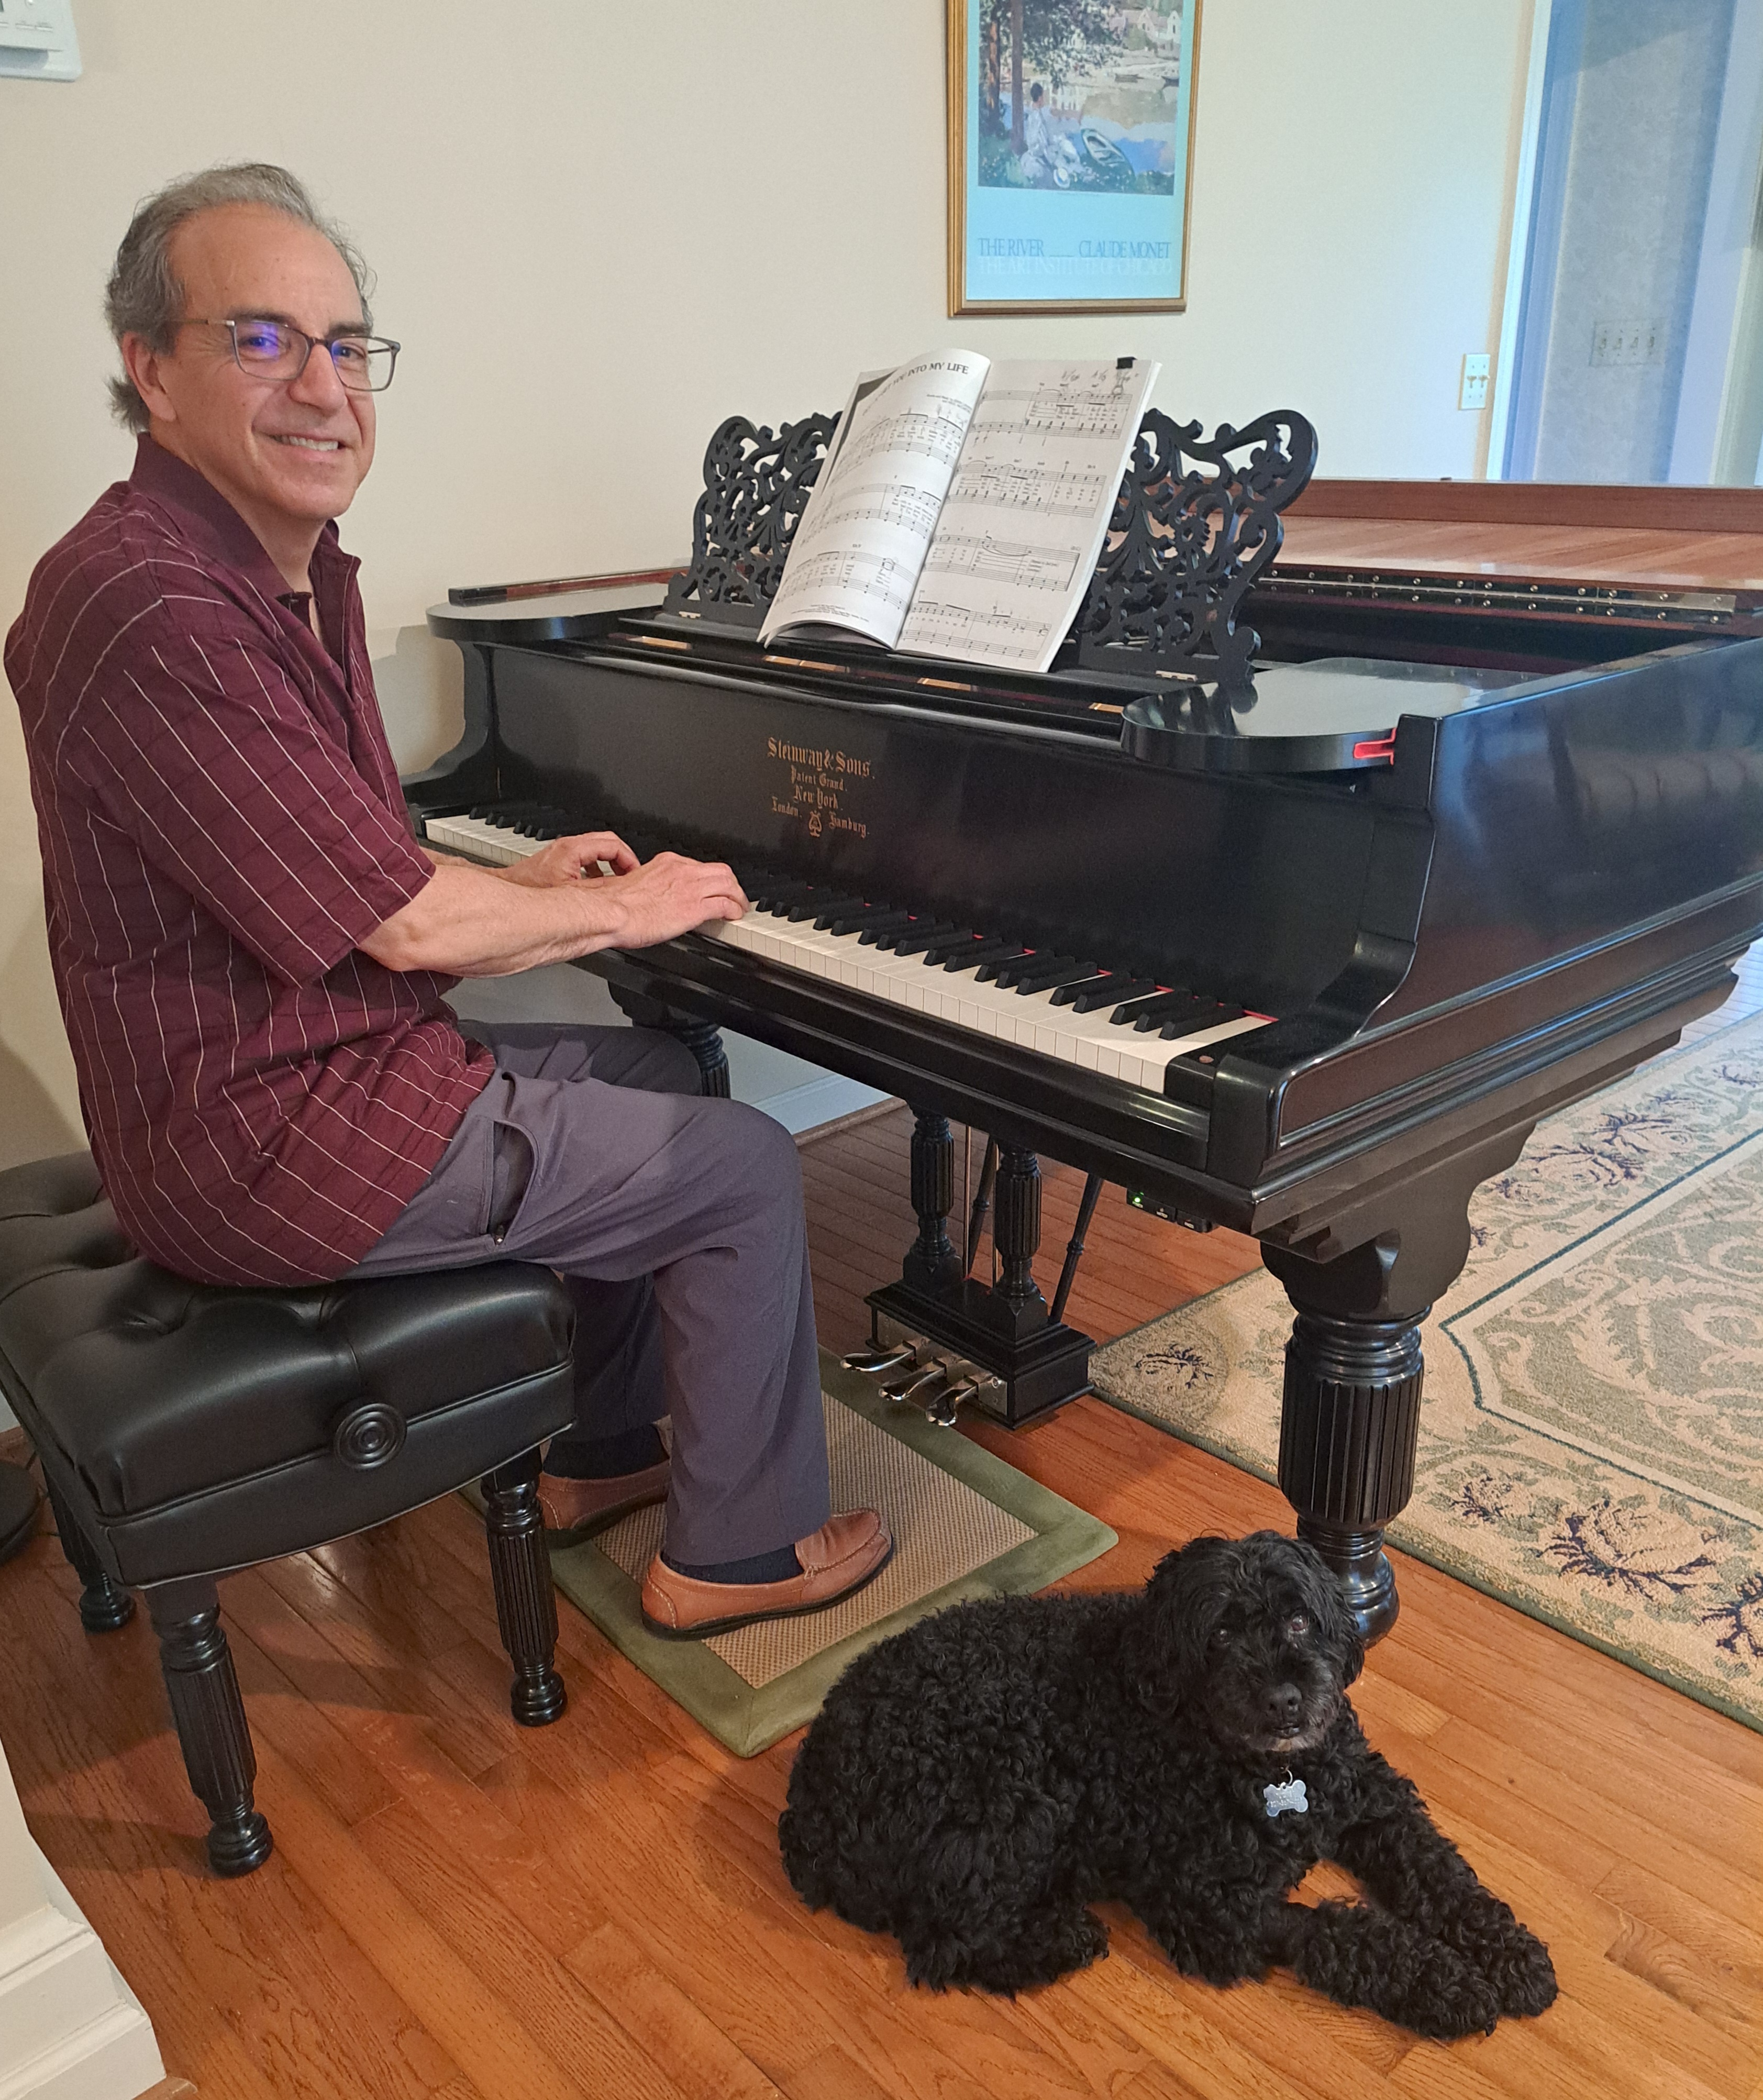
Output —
(963, 507)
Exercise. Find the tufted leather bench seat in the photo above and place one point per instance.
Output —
(186, 1430)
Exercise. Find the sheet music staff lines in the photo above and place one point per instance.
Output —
(887, 503)
(995, 481)
(999, 561)
(873, 581)
(1079, 402)
(935, 436)
(1064, 491)
(950, 629)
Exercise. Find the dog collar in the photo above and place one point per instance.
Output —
(1285, 1794)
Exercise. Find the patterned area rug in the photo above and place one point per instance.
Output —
(1591, 1441)
(965, 1525)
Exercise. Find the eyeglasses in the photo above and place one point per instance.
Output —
(275, 350)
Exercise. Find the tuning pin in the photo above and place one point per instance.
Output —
(880, 1357)
(915, 1382)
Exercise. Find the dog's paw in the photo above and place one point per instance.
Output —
(1514, 1961)
(1522, 1974)
(1443, 1998)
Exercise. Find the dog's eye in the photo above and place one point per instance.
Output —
(1296, 1626)
(1221, 1636)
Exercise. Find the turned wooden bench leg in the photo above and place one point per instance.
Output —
(526, 1605)
(204, 1690)
(103, 1607)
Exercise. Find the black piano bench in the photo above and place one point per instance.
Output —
(186, 1430)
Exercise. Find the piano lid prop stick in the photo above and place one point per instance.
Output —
(1092, 1188)
(982, 1201)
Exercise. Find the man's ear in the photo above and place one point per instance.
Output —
(141, 362)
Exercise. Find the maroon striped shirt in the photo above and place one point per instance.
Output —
(220, 824)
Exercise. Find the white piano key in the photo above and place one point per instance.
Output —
(1029, 1021)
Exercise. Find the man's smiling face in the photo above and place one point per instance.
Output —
(286, 454)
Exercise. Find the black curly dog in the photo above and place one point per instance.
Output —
(973, 1783)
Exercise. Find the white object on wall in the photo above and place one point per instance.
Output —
(37, 40)
(70, 2028)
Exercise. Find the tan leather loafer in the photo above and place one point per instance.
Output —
(849, 1551)
(575, 1509)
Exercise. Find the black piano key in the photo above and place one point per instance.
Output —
(982, 951)
(1010, 977)
(1055, 970)
(993, 969)
(778, 883)
(872, 918)
(963, 937)
(1066, 993)
(1091, 998)
(915, 942)
(1171, 1028)
(782, 896)
(1177, 1005)
(834, 908)
(885, 937)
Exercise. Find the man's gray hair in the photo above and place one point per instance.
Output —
(144, 297)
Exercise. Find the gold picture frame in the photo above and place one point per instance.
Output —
(1082, 199)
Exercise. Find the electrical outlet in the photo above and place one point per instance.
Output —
(1478, 365)
(1628, 342)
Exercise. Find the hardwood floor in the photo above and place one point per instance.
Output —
(456, 1907)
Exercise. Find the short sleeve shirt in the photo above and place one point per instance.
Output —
(221, 825)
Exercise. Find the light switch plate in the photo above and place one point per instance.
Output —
(1478, 366)
(37, 40)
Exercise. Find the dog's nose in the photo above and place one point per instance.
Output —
(1284, 1703)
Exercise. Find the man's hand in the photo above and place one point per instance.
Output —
(469, 921)
(568, 860)
(670, 895)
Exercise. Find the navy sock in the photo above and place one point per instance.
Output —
(776, 1567)
(573, 1458)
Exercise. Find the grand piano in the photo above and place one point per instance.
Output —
(1311, 876)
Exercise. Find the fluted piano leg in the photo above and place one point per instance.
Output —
(1004, 1329)
(932, 1263)
(1354, 1371)
(704, 1040)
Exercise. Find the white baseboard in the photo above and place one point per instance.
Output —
(70, 2028)
(819, 1100)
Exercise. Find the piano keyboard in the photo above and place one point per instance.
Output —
(1076, 1012)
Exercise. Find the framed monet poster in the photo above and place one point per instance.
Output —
(1070, 155)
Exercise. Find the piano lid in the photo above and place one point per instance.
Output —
(1333, 714)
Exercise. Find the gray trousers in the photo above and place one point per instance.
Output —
(677, 1223)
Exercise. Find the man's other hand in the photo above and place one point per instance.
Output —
(669, 895)
(568, 860)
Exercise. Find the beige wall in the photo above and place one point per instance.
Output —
(600, 229)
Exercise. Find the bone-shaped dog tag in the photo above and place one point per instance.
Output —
(1286, 1793)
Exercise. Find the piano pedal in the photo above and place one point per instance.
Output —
(917, 1381)
(1190, 1221)
(881, 1357)
(966, 1384)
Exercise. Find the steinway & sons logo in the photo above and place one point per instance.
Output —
(816, 788)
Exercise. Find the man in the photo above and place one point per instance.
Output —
(251, 949)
